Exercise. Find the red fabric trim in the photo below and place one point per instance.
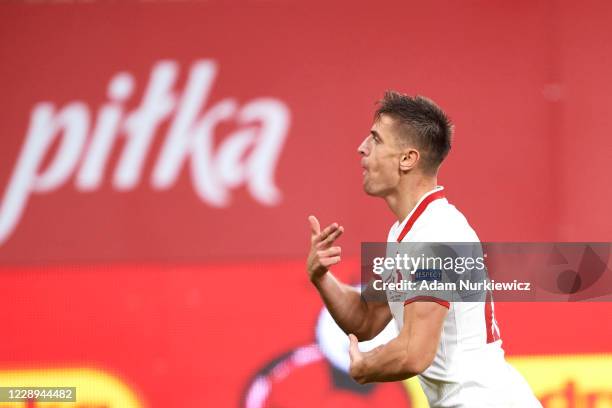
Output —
(418, 211)
(428, 299)
(492, 334)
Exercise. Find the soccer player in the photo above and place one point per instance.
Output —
(453, 347)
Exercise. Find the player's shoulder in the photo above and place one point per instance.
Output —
(443, 222)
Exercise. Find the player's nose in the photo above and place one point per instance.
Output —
(363, 148)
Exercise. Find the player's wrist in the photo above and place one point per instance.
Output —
(317, 278)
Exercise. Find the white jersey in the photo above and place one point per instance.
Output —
(469, 369)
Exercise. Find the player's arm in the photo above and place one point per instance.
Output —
(409, 354)
(345, 303)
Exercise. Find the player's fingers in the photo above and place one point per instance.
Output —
(332, 260)
(315, 227)
(333, 251)
(331, 238)
(327, 231)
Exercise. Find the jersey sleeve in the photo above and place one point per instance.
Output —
(438, 272)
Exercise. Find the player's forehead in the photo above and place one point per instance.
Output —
(385, 126)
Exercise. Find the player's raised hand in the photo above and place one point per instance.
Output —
(322, 254)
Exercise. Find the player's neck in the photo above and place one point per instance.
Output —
(408, 194)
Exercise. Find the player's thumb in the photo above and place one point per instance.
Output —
(315, 227)
(353, 346)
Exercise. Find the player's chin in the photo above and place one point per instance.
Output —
(370, 190)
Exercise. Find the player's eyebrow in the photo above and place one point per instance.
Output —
(375, 133)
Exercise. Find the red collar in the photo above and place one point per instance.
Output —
(418, 211)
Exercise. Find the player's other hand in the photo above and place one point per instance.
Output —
(322, 254)
(356, 367)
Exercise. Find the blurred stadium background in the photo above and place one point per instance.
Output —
(158, 160)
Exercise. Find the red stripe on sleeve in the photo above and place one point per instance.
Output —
(428, 299)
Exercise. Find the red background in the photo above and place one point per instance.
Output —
(133, 281)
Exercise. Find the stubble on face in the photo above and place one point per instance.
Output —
(381, 163)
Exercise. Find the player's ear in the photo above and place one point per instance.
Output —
(409, 159)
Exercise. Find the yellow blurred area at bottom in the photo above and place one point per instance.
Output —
(94, 388)
(561, 381)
